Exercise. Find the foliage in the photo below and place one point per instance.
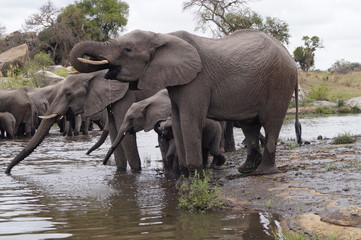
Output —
(344, 138)
(223, 17)
(305, 55)
(2, 28)
(320, 93)
(342, 67)
(198, 195)
(60, 30)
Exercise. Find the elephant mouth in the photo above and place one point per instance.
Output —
(113, 73)
(69, 114)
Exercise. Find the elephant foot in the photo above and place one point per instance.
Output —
(264, 169)
(121, 169)
(249, 166)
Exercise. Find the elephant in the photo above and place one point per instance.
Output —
(211, 142)
(143, 115)
(247, 76)
(17, 102)
(41, 104)
(90, 93)
(7, 125)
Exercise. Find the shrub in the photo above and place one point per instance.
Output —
(198, 195)
(320, 93)
(344, 138)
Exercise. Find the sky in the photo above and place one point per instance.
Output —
(335, 22)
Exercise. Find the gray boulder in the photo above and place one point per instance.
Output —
(354, 102)
(13, 57)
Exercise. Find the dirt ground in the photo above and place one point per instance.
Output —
(317, 189)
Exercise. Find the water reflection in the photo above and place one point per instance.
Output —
(59, 192)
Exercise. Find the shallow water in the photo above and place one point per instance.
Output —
(58, 192)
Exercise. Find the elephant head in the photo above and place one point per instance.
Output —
(146, 59)
(142, 115)
(86, 93)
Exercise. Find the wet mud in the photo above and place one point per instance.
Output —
(317, 189)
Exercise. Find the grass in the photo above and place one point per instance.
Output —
(198, 196)
(344, 138)
(331, 86)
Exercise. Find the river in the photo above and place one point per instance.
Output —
(58, 192)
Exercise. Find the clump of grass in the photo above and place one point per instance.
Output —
(325, 110)
(344, 138)
(198, 195)
(320, 93)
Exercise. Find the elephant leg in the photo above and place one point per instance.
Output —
(77, 124)
(119, 155)
(178, 141)
(129, 143)
(229, 144)
(268, 163)
(254, 156)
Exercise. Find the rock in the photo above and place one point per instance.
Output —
(16, 56)
(323, 103)
(354, 102)
(54, 68)
(45, 78)
(301, 94)
(349, 216)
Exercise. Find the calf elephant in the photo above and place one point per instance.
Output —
(7, 125)
(143, 115)
(211, 142)
(18, 103)
(90, 93)
(248, 76)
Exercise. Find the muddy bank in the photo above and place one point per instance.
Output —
(317, 189)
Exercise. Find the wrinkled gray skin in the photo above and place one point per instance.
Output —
(18, 103)
(41, 104)
(247, 76)
(7, 125)
(143, 115)
(90, 93)
(211, 142)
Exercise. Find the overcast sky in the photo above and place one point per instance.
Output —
(336, 22)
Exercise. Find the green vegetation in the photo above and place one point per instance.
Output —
(305, 55)
(198, 195)
(344, 138)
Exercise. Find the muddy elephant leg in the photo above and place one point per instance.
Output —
(254, 155)
(268, 163)
(77, 124)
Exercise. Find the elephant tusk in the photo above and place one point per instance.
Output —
(49, 116)
(102, 62)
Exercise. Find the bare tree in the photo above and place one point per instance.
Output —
(45, 18)
(212, 14)
(2, 28)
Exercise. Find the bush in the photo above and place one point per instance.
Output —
(199, 196)
(344, 138)
(320, 93)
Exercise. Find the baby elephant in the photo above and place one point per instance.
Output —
(211, 140)
(7, 125)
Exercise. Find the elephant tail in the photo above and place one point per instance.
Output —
(298, 126)
(100, 141)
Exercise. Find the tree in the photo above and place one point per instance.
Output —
(2, 28)
(60, 30)
(305, 55)
(342, 66)
(223, 17)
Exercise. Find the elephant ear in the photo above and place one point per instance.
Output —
(153, 114)
(175, 62)
(102, 92)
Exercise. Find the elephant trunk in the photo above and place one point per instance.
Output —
(39, 136)
(115, 144)
(96, 51)
(99, 142)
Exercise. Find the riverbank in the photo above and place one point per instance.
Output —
(314, 182)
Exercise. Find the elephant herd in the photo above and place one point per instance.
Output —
(182, 86)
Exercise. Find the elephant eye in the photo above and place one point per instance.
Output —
(127, 49)
(67, 94)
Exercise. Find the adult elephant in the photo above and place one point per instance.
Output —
(18, 103)
(248, 76)
(90, 93)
